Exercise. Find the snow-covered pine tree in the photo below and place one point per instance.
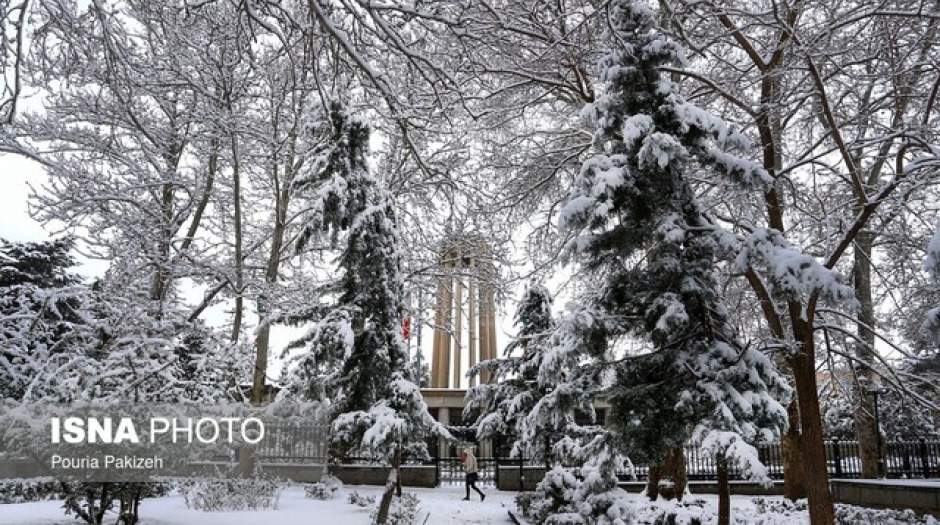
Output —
(506, 404)
(64, 341)
(42, 326)
(355, 347)
(637, 226)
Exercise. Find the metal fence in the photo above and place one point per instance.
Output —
(292, 444)
(900, 459)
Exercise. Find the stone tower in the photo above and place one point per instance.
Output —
(465, 314)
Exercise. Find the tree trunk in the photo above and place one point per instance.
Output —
(677, 471)
(391, 485)
(200, 210)
(271, 272)
(812, 448)
(793, 475)
(237, 204)
(673, 467)
(724, 491)
(652, 483)
(865, 429)
(161, 275)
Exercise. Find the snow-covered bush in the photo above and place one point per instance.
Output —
(355, 498)
(554, 495)
(778, 506)
(25, 490)
(325, 489)
(404, 510)
(524, 502)
(90, 501)
(219, 495)
(673, 513)
(850, 515)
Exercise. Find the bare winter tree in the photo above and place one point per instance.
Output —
(786, 73)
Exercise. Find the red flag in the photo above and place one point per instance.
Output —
(406, 328)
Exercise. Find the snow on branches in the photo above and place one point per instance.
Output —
(638, 226)
(931, 325)
(355, 356)
(792, 274)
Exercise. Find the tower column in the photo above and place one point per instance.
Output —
(472, 320)
(467, 266)
(458, 330)
(440, 363)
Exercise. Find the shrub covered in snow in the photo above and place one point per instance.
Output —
(524, 503)
(774, 511)
(326, 489)
(689, 512)
(850, 515)
(404, 510)
(355, 498)
(554, 495)
(24, 490)
(778, 506)
(218, 495)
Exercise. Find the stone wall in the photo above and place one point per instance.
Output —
(921, 496)
(739, 488)
(411, 475)
(508, 477)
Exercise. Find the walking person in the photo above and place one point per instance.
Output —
(471, 470)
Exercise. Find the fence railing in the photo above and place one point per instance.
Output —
(900, 459)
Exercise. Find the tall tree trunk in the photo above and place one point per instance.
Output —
(672, 467)
(161, 275)
(724, 491)
(200, 210)
(237, 204)
(865, 429)
(769, 129)
(793, 477)
(271, 272)
(652, 482)
(812, 448)
(391, 486)
(677, 470)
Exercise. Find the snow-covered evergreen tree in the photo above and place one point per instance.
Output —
(43, 330)
(507, 404)
(356, 357)
(638, 227)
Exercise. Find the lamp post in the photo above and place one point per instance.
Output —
(875, 392)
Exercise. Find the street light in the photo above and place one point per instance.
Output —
(875, 391)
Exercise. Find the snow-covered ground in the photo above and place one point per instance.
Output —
(443, 506)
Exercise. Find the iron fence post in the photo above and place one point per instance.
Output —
(924, 458)
(521, 474)
(908, 469)
(496, 471)
(837, 457)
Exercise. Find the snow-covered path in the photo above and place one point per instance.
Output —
(445, 506)
(442, 506)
